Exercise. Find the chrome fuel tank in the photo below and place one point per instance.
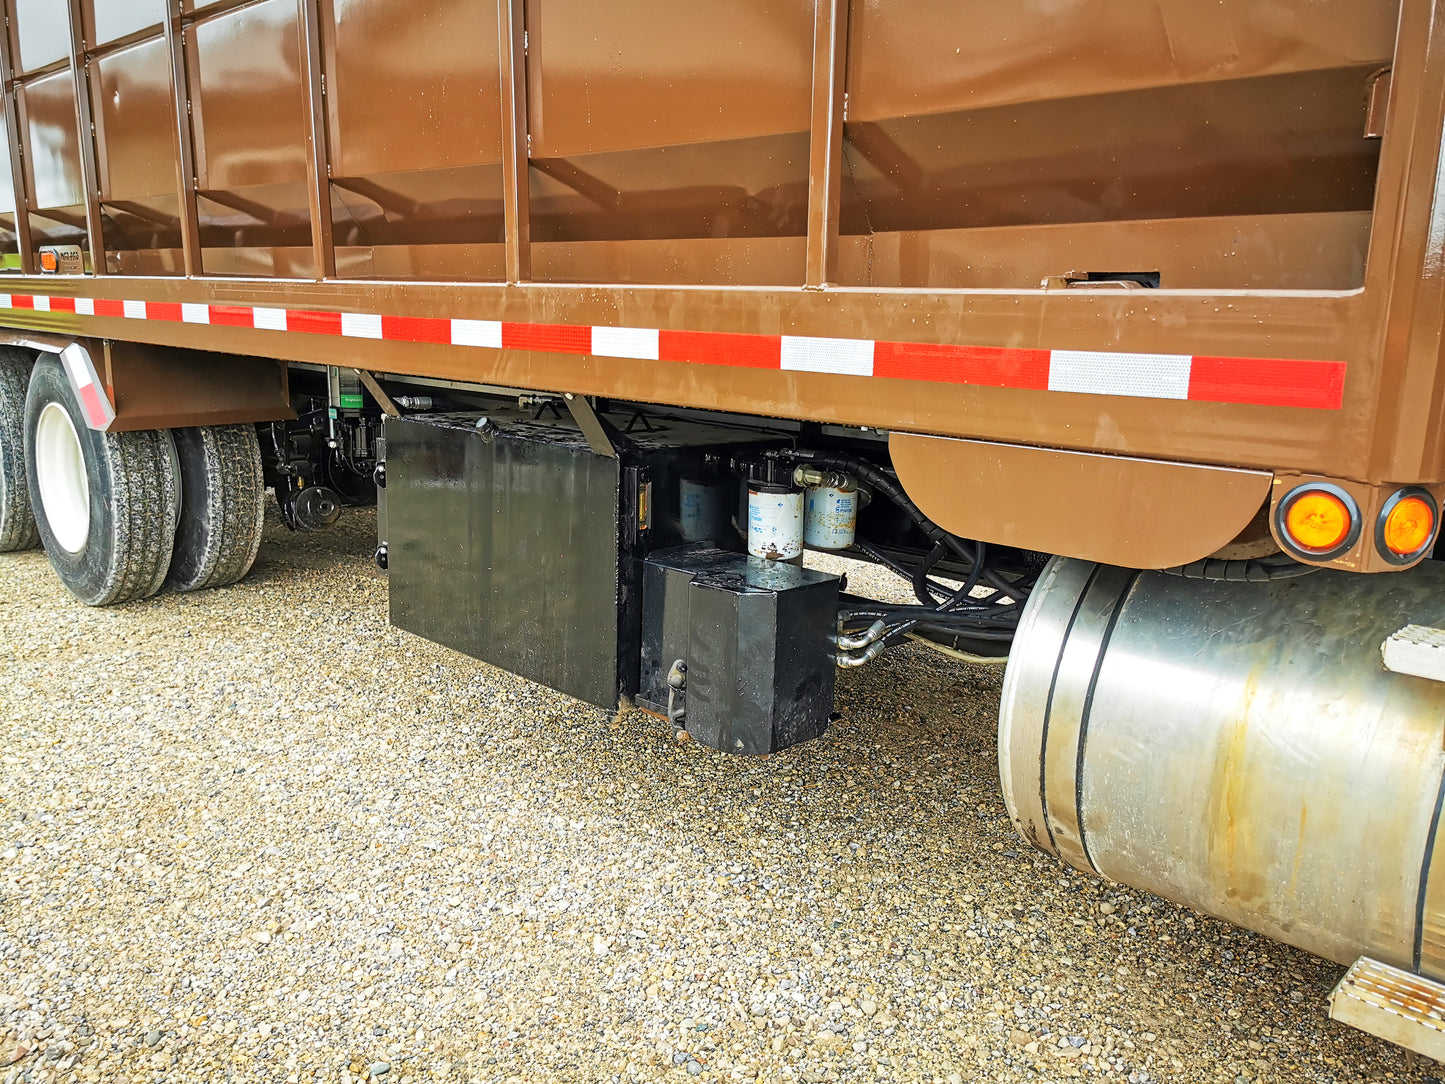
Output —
(1238, 748)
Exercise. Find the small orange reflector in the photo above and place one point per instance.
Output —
(1317, 521)
(49, 262)
(1409, 526)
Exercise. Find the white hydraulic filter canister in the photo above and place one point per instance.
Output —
(775, 522)
(830, 521)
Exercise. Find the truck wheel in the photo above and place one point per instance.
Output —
(223, 506)
(17, 522)
(105, 503)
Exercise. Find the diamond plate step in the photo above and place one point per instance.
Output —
(1417, 650)
(1394, 1005)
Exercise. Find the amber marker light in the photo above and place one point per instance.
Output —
(1406, 527)
(1318, 521)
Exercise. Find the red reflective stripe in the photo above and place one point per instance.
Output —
(553, 338)
(1259, 381)
(720, 348)
(416, 329)
(317, 323)
(94, 409)
(986, 366)
(232, 315)
(1268, 382)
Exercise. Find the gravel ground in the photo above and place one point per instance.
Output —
(256, 834)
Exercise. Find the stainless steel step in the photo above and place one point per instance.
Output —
(1417, 650)
(1394, 1005)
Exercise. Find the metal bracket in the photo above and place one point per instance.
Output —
(382, 399)
(1416, 650)
(1392, 1004)
(602, 438)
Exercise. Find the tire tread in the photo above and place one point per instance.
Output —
(144, 489)
(18, 530)
(231, 509)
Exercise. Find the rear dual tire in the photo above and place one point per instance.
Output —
(105, 503)
(121, 514)
(17, 522)
(223, 506)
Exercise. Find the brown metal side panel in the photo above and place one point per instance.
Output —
(656, 73)
(250, 112)
(1137, 513)
(157, 389)
(1399, 372)
(1256, 436)
(673, 145)
(915, 57)
(390, 114)
(56, 179)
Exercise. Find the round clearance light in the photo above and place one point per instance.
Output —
(1318, 521)
(1406, 527)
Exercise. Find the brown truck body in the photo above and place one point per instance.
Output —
(1153, 283)
(1200, 244)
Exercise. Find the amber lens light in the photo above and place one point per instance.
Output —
(1317, 521)
(1409, 526)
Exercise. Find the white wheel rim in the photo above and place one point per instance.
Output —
(60, 472)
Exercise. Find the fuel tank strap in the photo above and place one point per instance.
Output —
(1430, 911)
(1066, 730)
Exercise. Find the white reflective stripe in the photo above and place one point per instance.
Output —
(76, 370)
(361, 325)
(846, 357)
(195, 314)
(80, 371)
(42, 303)
(477, 333)
(1147, 376)
(269, 319)
(5, 302)
(625, 342)
(134, 310)
(84, 306)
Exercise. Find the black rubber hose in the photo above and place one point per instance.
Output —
(879, 481)
(922, 588)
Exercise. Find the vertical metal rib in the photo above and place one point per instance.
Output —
(90, 175)
(17, 145)
(825, 157)
(185, 140)
(319, 171)
(511, 29)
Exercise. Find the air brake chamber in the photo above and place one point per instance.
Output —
(1238, 748)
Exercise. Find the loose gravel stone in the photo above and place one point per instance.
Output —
(257, 834)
